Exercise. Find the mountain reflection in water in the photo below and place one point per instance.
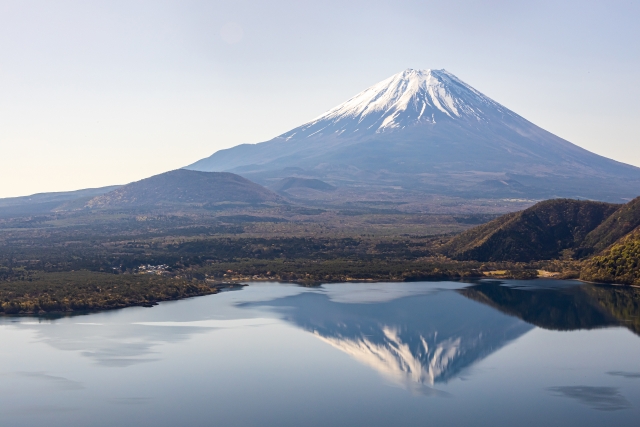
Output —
(417, 341)
(563, 308)
(414, 341)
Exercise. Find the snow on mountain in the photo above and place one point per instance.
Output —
(414, 340)
(428, 131)
(404, 99)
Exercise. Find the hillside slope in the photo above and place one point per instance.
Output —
(42, 203)
(185, 187)
(618, 264)
(292, 182)
(619, 224)
(543, 231)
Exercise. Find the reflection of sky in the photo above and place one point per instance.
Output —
(113, 345)
(128, 337)
(368, 293)
(243, 359)
(412, 334)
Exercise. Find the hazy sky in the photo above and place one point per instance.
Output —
(94, 93)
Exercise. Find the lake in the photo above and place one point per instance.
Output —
(489, 353)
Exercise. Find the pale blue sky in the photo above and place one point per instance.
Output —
(94, 93)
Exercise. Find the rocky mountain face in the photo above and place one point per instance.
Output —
(427, 132)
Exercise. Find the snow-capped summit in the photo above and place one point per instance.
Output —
(427, 131)
(408, 98)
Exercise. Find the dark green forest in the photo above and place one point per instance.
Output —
(107, 259)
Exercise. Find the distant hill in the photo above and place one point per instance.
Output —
(185, 187)
(294, 182)
(543, 231)
(616, 226)
(42, 203)
(427, 132)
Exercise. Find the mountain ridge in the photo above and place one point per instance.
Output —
(543, 231)
(430, 132)
(184, 187)
(604, 238)
(622, 222)
(43, 203)
(418, 94)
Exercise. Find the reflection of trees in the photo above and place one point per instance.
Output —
(623, 303)
(420, 340)
(577, 307)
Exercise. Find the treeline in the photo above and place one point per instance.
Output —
(228, 249)
(127, 255)
(337, 270)
(65, 270)
(84, 290)
(289, 259)
(619, 264)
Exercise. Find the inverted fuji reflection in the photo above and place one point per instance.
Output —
(414, 341)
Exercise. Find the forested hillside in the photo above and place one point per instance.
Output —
(544, 231)
(618, 264)
(619, 224)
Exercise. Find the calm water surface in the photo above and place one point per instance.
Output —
(491, 353)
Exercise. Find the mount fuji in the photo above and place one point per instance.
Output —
(428, 132)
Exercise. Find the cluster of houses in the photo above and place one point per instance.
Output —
(153, 269)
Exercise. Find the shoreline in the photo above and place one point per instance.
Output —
(211, 287)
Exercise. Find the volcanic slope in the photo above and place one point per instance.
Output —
(427, 131)
(186, 187)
